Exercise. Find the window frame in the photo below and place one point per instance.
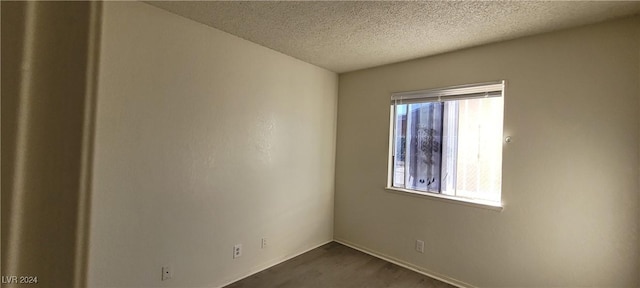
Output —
(451, 93)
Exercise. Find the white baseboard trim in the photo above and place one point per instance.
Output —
(407, 265)
(273, 263)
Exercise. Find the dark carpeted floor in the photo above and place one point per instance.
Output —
(336, 265)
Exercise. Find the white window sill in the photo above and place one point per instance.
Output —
(451, 199)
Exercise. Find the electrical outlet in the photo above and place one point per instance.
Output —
(420, 246)
(264, 243)
(237, 251)
(167, 273)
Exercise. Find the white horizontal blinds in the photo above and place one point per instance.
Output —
(463, 92)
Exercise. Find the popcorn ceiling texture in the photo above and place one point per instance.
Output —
(347, 36)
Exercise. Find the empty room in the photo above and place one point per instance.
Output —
(320, 144)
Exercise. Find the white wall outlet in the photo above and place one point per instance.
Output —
(167, 273)
(237, 251)
(420, 246)
(264, 243)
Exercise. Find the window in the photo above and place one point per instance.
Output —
(448, 142)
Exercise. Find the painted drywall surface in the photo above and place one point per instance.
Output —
(204, 140)
(570, 176)
(47, 71)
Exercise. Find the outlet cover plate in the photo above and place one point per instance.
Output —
(420, 246)
(237, 251)
(167, 273)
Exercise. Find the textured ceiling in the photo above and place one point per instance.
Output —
(347, 36)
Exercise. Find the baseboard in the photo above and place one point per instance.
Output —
(407, 265)
(274, 263)
(373, 253)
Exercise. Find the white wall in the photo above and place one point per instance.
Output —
(570, 177)
(204, 140)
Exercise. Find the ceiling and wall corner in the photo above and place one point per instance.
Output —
(204, 141)
(345, 36)
(140, 118)
(570, 177)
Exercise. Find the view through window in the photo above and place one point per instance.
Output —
(449, 141)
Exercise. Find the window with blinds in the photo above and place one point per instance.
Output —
(448, 141)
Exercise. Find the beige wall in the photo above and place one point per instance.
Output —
(570, 177)
(47, 115)
(204, 140)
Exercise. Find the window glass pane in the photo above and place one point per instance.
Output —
(400, 145)
(479, 159)
(449, 148)
(424, 145)
(450, 145)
